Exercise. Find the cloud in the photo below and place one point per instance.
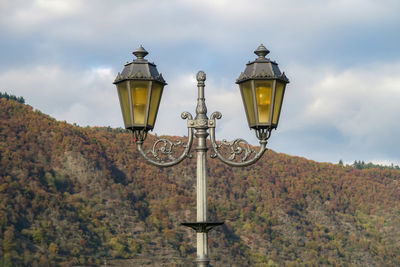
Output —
(361, 103)
(344, 113)
(26, 16)
(85, 97)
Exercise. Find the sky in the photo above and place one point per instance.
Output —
(342, 58)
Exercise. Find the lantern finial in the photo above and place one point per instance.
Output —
(140, 53)
(261, 51)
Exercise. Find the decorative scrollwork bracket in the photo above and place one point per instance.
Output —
(164, 147)
(238, 148)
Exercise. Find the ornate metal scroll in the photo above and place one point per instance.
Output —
(164, 148)
(238, 148)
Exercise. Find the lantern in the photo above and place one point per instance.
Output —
(140, 88)
(262, 87)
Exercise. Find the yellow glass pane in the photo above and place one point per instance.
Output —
(247, 96)
(124, 101)
(154, 102)
(139, 94)
(263, 98)
(280, 87)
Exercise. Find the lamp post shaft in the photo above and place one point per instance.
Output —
(201, 150)
(202, 238)
(201, 180)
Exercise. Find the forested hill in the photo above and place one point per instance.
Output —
(83, 196)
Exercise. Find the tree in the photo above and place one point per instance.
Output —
(12, 97)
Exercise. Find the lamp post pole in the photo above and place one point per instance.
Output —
(201, 149)
(140, 88)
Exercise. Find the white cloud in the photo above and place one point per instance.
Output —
(356, 110)
(25, 16)
(85, 97)
(359, 102)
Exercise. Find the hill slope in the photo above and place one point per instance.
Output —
(71, 195)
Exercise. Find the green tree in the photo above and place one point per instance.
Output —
(12, 97)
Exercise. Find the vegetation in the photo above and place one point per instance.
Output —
(362, 165)
(12, 97)
(83, 196)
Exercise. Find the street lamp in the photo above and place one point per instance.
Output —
(140, 88)
(262, 86)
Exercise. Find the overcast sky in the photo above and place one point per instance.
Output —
(342, 58)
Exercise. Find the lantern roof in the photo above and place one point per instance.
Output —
(262, 68)
(140, 69)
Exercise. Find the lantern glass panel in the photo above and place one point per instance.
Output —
(154, 102)
(124, 101)
(263, 98)
(279, 90)
(139, 94)
(246, 90)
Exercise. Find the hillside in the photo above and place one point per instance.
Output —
(83, 196)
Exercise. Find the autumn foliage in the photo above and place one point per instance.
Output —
(74, 195)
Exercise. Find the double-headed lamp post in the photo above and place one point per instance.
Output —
(140, 88)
